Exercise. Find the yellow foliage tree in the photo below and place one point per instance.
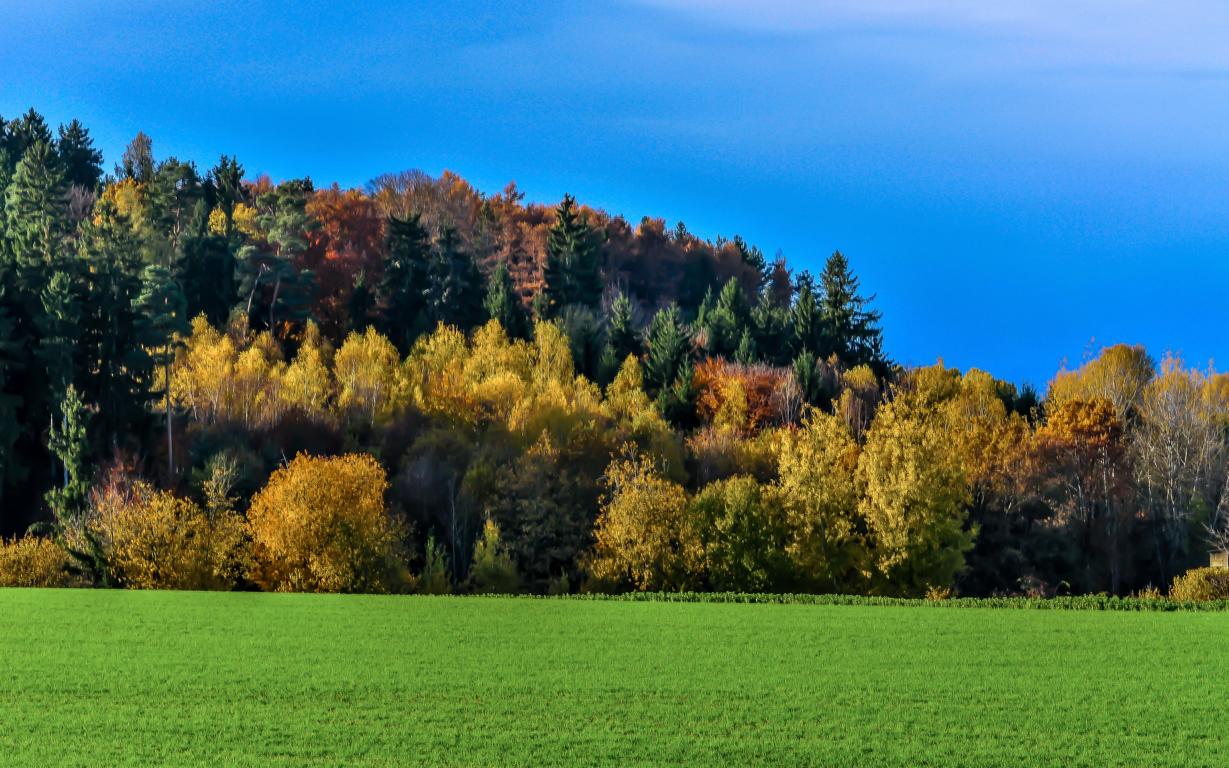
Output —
(914, 496)
(153, 540)
(367, 368)
(817, 489)
(307, 383)
(645, 536)
(319, 525)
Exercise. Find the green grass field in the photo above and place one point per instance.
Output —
(106, 678)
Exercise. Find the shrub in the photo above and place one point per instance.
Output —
(34, 561)
(319, 525)
(1199, 584)
(492, 571)
(154, 540)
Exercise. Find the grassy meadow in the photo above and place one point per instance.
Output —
(184, 679)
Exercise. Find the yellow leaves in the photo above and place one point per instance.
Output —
(34, 561)
(319, 525)
(914, 496)
(126, 197)
(154, 540)
(1118, 375)
(245, 220)
(307, 384)
(645, 536)
(367, 368)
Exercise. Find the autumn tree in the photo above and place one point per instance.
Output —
(320, 525)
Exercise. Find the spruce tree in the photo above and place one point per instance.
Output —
(206, 271)
(360, 303)
(502, 303)
(621, 334)
(454, 284)
(37, 217)
(746, 353)
(805, 328)
(226, 180)
(59, 328)
(850, 329)
(162, 317)
(67, 442)
(403, 288)
(726, 321)
(572, 274)
(669, 349)
(79, 160)
(11, 465)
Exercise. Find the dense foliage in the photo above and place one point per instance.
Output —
(492, 395)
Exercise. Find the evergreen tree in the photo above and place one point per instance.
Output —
(585, 338)
(504, 305)
(746, 354)
(727, 320)
(79, 160)
(403, 289)
(11, 401)
(770, 329)
(226, 180)
(273, 288)
(25, 132)
(117, 367)
(622, 339)
(67, 441)
(455, 285)
(206, 270)
(850, 329)
(572, 274)
(37, 218)
(669, 349)
(360, 303)
(59, 328)
(162, 312)
(805, 329)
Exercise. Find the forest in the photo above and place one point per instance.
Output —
(213, 381)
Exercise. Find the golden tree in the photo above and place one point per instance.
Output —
(320, 525)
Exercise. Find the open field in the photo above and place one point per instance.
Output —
(163, 678)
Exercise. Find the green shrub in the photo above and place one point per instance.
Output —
(1201, 584)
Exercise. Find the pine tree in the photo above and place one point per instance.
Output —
(226, 180)
(669, 348)
(59, 328)
(805, 328)
(746, 354)
(850, 329)
(162, 316)
(79, 160)
(572, 274)
(37, 217)
(403, 289)
(67, 441)
(454, 289)
(504, 305)
(117, 368)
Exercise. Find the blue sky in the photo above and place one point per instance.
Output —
(1019, 183)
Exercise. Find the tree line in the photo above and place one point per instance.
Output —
(213, 381)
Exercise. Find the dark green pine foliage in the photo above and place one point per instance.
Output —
(172, 197)
(502, 303)
(850, 328)
(753, 257)
(585, 338)
(205, 268)
(668, 365)
(163, 319)
(770, 329)
(746, 353)
(37, 217)
(59, 327)
(67, 442)
(622, 338)
(815, 386)
(726, 322)
(402, 294)
(806, 332)
(572, 274)
(360, 304)
(79, 160)
(454, 290)
(118, 370)
(271, 286)
(225, 184)
(11, 466)
(25, 132)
